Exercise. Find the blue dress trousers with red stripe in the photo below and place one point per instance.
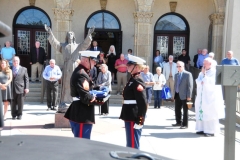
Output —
(81, 112)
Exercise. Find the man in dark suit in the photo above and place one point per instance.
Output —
(20, 88)
(183, 86)
(196, 57)
(37, 57)
(95, 47)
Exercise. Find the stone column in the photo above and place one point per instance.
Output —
(231, 29)
(63, 21)
(143, 29)
(217, 20)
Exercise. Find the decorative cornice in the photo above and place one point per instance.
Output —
(143, 17)
(217, 18)
(173, 6)
(103, 4)
(32, 2)
(63, 14)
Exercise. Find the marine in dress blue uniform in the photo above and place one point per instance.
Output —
(81, 111)
(134, 103)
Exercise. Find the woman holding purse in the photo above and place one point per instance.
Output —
(5, 84)
(157, 88)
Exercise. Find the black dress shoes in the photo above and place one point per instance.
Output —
(13, 118)
(183, 127)
(201, 132)
(177, 124)
(19, 117)
(208, 135)
(54, 109)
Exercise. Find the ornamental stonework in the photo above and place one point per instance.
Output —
(103, 4)
(32, 2)
(63, 4)
(143, 17)
(217, 18)
(144, 5)
(63, 14)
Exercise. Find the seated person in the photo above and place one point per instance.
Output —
(104, 79)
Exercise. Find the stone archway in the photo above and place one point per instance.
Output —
(220, 5)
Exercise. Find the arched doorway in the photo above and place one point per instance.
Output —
(171, 35)
(28, 27)
(107, 30)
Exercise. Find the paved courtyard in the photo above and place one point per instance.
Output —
(158, 136)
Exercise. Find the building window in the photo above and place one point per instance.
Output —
(103, 20)
(171, 23)
(32, 17)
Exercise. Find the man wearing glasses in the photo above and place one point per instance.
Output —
(183, 86)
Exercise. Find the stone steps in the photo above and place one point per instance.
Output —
(35, 94)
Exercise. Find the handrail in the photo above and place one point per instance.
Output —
(43, 86)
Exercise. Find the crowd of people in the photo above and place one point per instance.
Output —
(139, 85)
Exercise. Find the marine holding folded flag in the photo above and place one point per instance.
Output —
(81, 111)
(134, 102)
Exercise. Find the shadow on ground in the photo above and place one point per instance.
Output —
(174, 135)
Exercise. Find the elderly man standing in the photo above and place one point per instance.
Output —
(20, 88)
(183, 86)
(81, 111)
(8, 53)
(201, 58)
(209, 103)
(214, 63)
(170, 69)
(37, 57)
(52, 74)
(121, 66)
(149, 82)
(230, 60)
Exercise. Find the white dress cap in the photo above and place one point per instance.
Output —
(135, 60)
(92, 54)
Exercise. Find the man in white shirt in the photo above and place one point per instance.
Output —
(170, 69)
(52, 74)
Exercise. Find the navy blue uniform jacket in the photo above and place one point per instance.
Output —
(81, 111)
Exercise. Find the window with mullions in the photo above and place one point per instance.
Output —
(32, 17)
(103, 20)
(171, 23)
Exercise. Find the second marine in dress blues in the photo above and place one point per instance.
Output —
(134, 103)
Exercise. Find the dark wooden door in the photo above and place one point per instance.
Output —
(170, 44)
(24, 40)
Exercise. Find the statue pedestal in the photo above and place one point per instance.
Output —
(61, 121)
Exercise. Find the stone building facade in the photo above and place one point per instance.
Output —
(142, 25)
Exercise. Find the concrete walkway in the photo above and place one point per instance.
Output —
(158, 136)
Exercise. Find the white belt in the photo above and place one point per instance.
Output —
(129, 102)
(76, 99)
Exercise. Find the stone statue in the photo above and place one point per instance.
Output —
(70, 50)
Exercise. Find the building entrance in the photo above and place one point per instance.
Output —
(107, 30)
(171, 35)
(28, 28)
